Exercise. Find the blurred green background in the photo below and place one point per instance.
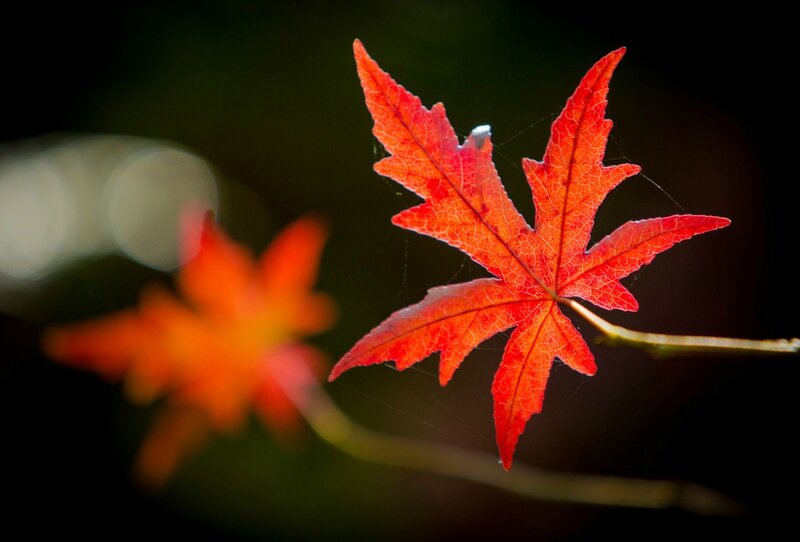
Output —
(267, 95)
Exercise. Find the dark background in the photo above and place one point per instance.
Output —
(268, 94)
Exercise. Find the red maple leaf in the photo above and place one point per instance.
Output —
(467, 207)
(231, 344)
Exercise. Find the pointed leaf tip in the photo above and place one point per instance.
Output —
(360, 52)
(334, 374)
(615, 55)
(611, 60)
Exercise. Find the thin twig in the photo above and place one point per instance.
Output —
(660, 344)
(335, 428)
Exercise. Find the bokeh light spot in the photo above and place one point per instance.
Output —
(37, 216)
(146, 196)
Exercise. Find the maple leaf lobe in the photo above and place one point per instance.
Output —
(466, 206)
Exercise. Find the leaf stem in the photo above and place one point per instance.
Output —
(660, 345)
(337, 429)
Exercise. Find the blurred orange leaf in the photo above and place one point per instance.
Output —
(214, 351)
